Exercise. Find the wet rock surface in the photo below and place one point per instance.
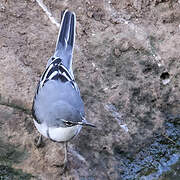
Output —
(126, 63)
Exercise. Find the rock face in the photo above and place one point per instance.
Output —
(126, 63)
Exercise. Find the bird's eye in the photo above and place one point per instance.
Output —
(68, 123)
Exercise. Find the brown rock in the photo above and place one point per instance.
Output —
(130, 85)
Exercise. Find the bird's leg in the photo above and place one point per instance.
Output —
(38, 142)
(64, 165)
(65, 155)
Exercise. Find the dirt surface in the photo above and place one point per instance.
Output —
(126, 63)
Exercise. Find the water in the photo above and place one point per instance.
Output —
(160, 160)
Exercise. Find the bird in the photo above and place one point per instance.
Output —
(58, 109)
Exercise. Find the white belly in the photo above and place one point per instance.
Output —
(59, 134)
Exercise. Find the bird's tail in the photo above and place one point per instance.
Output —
(66, 38)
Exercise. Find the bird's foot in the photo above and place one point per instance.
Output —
(63, 167)
(38, 142)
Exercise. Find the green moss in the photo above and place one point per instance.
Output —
(174, 173)
(10, 154)
(8, 173)
(147, 171)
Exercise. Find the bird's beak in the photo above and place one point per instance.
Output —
(88, 124)
(85, 123)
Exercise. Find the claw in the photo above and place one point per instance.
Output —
(38, 142)
(64, 167)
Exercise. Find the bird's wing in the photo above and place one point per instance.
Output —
(57, 83)
(57, 71)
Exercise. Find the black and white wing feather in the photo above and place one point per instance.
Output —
(57, 71)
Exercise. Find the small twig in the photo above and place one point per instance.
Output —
(48, 13)
(168, 138)
(153, 165)
(15, 106)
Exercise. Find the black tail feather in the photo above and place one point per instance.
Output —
(66, 38)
